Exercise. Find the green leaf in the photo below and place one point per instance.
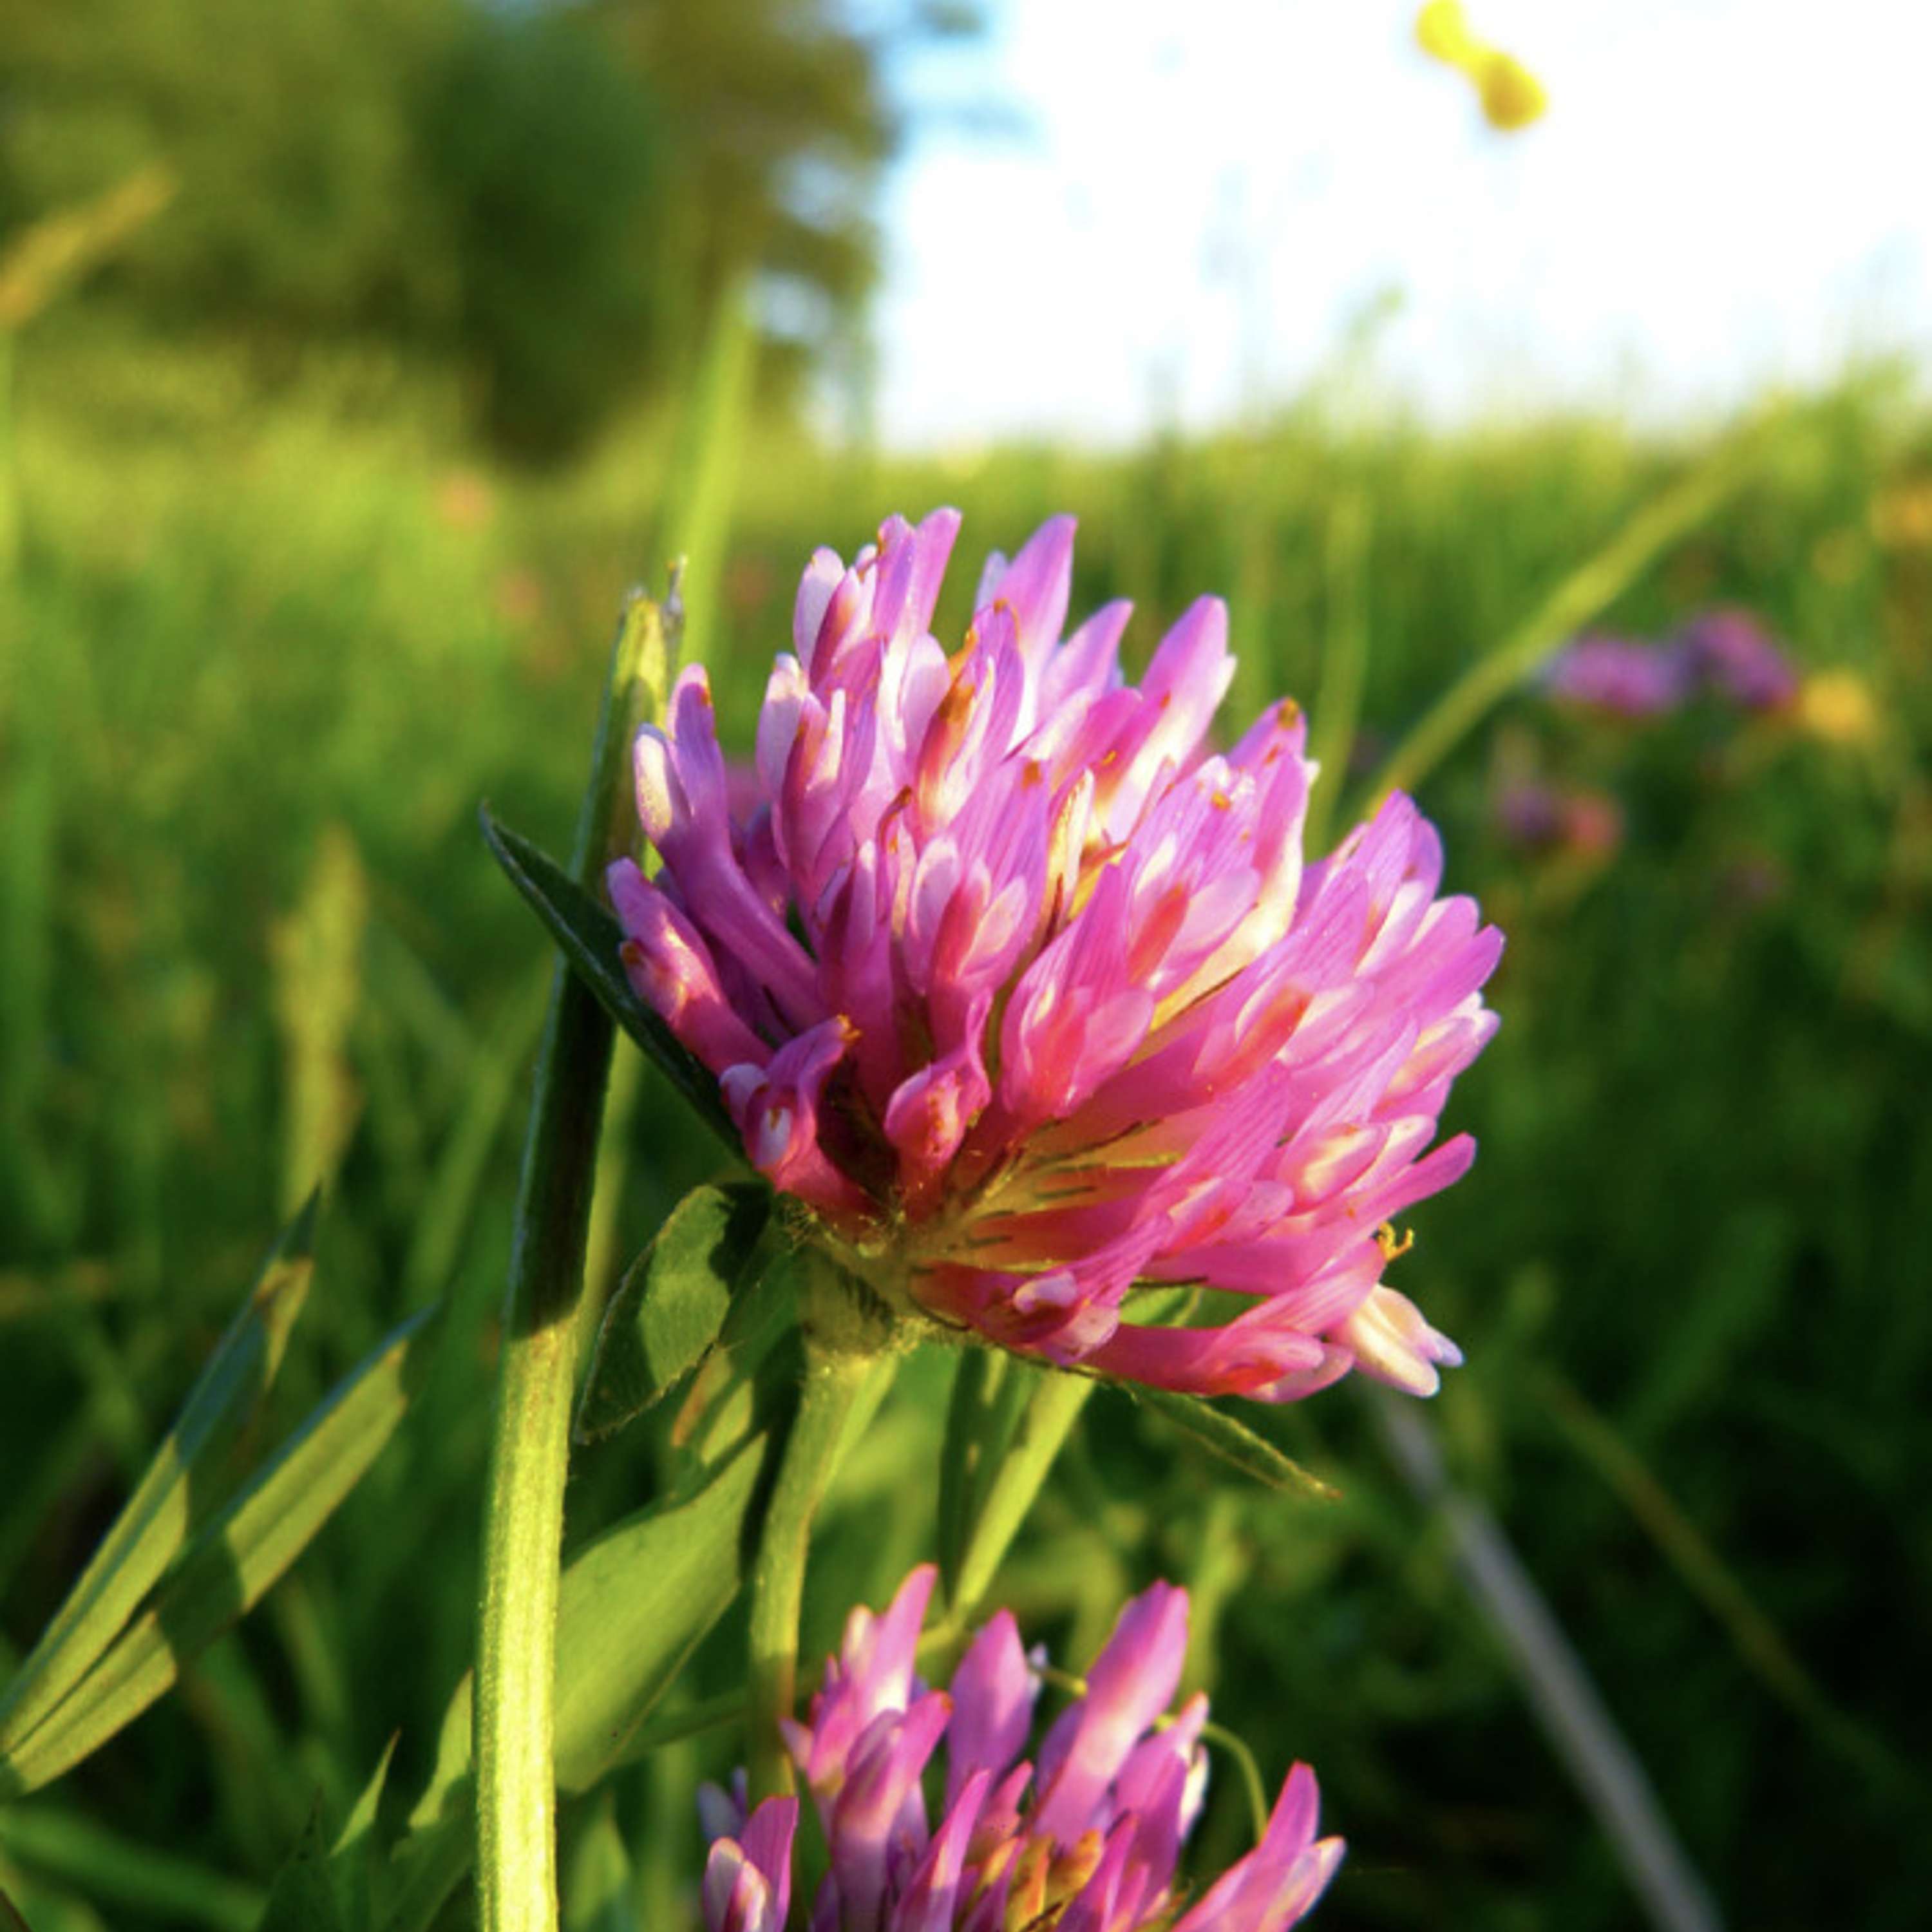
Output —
(633, 1606)
(232, 1561)
(351, 1860)
(636, 1603)
(302, 1899)
(172, 1494)
(1234, 1442)
(589, 938)
(671, 1305)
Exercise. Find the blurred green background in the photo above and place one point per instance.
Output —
(354, 359)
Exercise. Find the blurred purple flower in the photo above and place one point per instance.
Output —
(1732, 654)
(1622, 675)
(1547, 818)
(1030, 1000)
(1528, 812)
(1085, 1840)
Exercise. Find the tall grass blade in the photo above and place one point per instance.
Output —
(1337, 715)
(1589, 589)
(1756, 1638)
(1580, 1729)
(232, 1560)
(151, 1528)
(704, 476)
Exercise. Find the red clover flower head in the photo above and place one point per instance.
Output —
(1032, 999)
(1085, 1840)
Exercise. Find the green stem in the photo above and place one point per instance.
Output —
(523, 1523)
(844, 1384)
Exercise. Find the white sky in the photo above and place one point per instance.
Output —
(1201, 194)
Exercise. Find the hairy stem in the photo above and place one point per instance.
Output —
(844, 1382)
(523, 1523)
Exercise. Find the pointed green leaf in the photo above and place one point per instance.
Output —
(667, 1312)
(1234, 1442)
(589, 938)
(232, 1561)
(635, 1604)
(302, 1899)
(172, 1495)
(351, 1860)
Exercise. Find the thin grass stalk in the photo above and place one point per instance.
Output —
(1345, 658)
(1588, 590)
(1579, 1726)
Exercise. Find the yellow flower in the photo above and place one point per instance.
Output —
(1838, 706)
(1441, 30)
(1512, 96)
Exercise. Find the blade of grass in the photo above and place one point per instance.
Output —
(450, 1204)
(1716, 1585)
(1235, 1443)
(704, 477)
(523, 1522)
(232, 1561)
(1344, 658)
(149, 1530)
(1580, 1729)
(1587, 589)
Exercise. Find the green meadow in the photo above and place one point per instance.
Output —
(263, 655)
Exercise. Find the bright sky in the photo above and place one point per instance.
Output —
(1200, 195)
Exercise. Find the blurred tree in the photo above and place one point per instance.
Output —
(545, 158)
(777, 129)
(559, 192)
(290, 128)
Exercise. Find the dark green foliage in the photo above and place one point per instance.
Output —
(292, 129)
(552, 198)
(547, 161)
